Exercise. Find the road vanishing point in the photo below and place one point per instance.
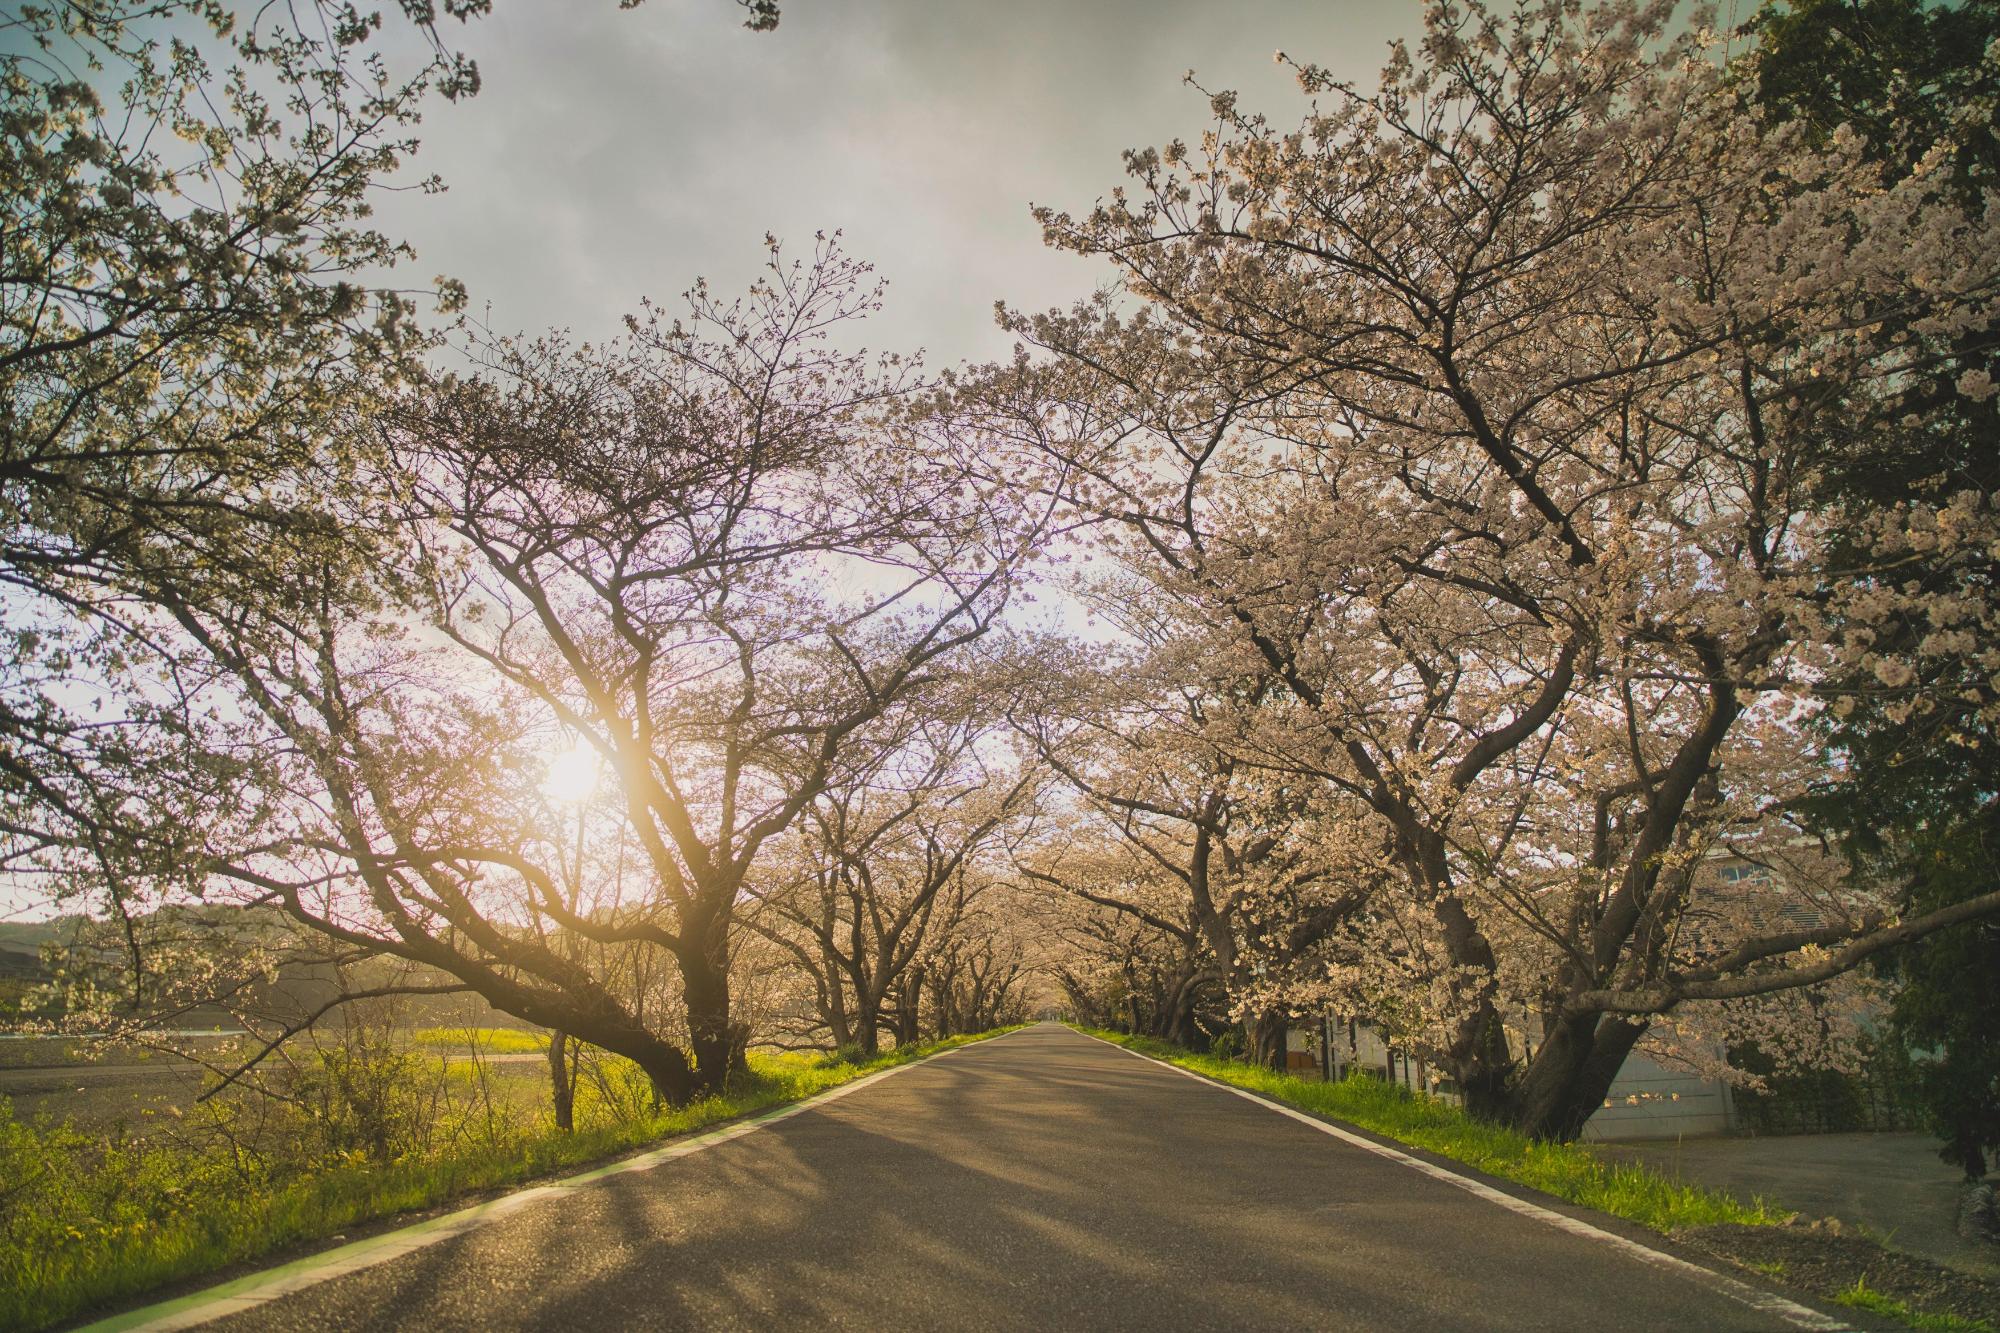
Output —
(1039, 1180)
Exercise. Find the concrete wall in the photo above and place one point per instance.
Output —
(1649, 1101)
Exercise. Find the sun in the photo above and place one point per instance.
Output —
(572, 775)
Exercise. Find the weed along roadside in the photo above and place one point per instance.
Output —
(1757, 1237)
(92, 1221)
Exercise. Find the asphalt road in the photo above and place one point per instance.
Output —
(1042, 1180)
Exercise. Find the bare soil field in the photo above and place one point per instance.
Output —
(99, 1087)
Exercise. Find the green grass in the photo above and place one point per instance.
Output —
(1566, 1170)
(1861, 1296)
(93, 1221)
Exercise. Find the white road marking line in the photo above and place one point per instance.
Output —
(247, 1293)
(1799, 1316)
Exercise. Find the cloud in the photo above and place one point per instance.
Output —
(614, 154)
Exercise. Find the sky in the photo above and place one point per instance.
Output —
(613, 154)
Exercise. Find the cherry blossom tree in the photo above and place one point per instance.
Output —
(185, 229)
(1130, 951)
(982, 972)
(1483, 412)
(703, 558)
(194, 289)
(875, 877)
(1179, 826)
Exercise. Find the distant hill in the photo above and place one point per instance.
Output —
(21, 946)
(22, 971)
(299, 988)
(28, 936)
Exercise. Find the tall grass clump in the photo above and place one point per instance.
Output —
(356, 1133)
(1567, 1170)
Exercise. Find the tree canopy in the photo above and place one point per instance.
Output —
(1492, 521)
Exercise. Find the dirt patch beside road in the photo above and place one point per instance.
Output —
(1889, 1187)
(1825, 1260)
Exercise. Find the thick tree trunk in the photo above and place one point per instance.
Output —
(944, 1007)
(1177, 1023)
(667, 1066)
(1566, 1081)
(1478, 1057)
(833, 1010)
(972, 1014)
(1482, 1065)
(868, 1032)
(909, 1009)
(562, 1085)
(602, 1024)
(1266, 1033)
(870, 1008)
(705, 986)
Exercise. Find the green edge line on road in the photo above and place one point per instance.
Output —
(1792, 1312)
(268, 1284)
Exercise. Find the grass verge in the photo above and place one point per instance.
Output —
(1566, 1170)
(1861, 1296)
(47, 1278)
